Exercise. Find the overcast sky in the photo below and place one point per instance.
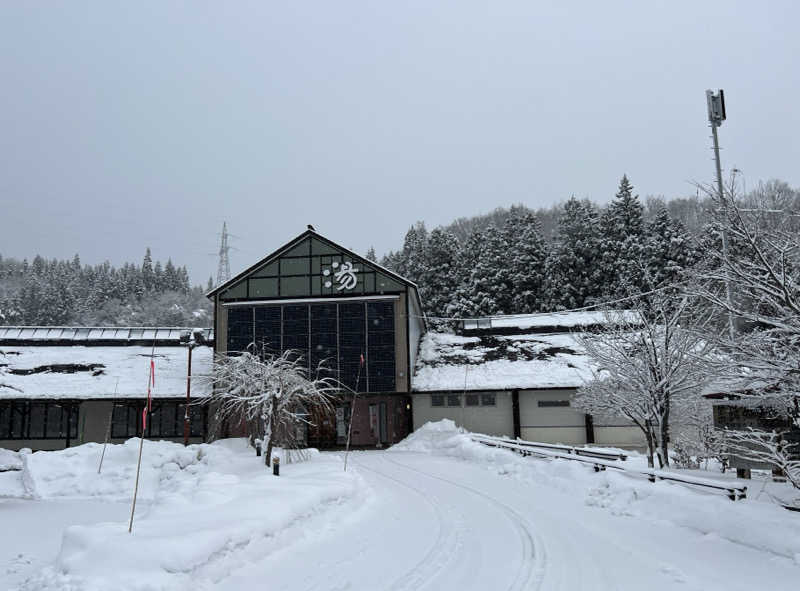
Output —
(134, 124)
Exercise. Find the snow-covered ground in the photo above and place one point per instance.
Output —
(435, 512)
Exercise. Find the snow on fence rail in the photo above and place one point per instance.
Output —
(734, 493)
(578, 451)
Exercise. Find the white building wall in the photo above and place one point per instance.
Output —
(550, 424)
(567, 425)
(542, 418)
(490, 420)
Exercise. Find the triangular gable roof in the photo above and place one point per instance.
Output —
(294, 242)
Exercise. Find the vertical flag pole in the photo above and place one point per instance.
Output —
(147, 407)
(352, 413)
(108, 428)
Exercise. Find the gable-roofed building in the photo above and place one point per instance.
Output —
(357, 320)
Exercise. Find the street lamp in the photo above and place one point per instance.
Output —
(190, 338)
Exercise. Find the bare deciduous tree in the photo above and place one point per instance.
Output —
(645, 369)
(761, 268)
(272, 394)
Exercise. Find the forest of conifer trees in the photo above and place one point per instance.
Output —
(516, 261)
(509, 261)
(66, 292)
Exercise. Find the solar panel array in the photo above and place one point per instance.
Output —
(98, 333)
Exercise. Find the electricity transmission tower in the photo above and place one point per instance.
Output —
(224, 266)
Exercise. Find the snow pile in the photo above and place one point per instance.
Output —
(752, 522)
(10, 460)
(72, 472)
(207, 510)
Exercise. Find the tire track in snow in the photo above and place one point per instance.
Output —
(531, 571)
(448, 541)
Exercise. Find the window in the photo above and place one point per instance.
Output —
(488, 399)
(552, 403)
(240, 328)
(437, 400)
(126, 420)
(380, 346)
(454, 400)
(38, 420)
(338, 334)
(268, 330)
(480, 399)
(165, 420)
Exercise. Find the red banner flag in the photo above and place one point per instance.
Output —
(148, 407)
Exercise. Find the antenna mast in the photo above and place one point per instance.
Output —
(224, 267)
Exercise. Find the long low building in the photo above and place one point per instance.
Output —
(515, 376)
(65, 385)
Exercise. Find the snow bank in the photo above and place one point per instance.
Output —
(10, 460)
(72, 472)
(206, 510)
(762, 525)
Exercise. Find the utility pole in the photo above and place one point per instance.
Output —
(716, 115)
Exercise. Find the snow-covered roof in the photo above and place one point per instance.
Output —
(112, 335)
(80, 372)
(553, 320)
(499, 362)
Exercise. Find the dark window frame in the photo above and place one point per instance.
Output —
(553, 404)
(17, 419)
(126, 420)
(371, 333)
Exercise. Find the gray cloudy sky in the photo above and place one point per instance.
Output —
(130, 124)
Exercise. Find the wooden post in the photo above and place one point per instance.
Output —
(515, 413)
(186, 421)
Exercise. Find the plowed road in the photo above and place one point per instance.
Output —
(443, 524)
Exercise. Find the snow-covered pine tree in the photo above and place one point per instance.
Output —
(148, 274)
(159, 284)
(464, 265)
(411, 260)
(669, 250)
(371, 256)
(525, 267)
(171, 282)
(487, 293)
(572, 275)
(437, 286)
(622, 225)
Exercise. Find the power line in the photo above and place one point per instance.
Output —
(582, 309)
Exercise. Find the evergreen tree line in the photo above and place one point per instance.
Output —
(66, 292)
(514, 266)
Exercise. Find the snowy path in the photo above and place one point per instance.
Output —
(445, 524)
